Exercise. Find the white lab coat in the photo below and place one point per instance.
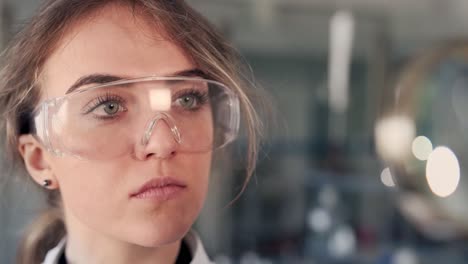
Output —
(194, 244)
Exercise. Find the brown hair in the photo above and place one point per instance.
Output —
(24, 59)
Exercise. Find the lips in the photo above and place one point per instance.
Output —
(159, 188)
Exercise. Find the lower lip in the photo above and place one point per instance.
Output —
(160, 193)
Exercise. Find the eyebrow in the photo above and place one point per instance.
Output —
(98, 78)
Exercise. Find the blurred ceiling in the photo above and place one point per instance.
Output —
(301, 26)
(298, 26)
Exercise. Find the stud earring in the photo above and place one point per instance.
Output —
(46, 183)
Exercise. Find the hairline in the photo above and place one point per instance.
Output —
(72, 27)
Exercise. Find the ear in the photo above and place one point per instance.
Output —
(37, 160)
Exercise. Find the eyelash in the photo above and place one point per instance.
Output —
(201, 97)
(95, 103)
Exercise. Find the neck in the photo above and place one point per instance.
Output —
(85, 245)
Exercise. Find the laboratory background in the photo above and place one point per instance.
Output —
(364, 158)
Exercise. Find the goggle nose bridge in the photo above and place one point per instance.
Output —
(169, 122)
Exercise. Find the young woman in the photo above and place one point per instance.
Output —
(115, 108)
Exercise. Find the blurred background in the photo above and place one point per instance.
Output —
(366, 161)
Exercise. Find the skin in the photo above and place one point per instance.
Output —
(105, 225)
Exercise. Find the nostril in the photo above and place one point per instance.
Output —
(158, 155)
(153, 155)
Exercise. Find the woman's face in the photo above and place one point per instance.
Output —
(97, 194)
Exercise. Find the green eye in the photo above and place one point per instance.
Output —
(190, 99)
(106, 106)
(111, 108)
(188, 102)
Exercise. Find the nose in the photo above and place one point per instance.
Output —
(160, 140)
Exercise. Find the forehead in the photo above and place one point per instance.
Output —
(113, 41)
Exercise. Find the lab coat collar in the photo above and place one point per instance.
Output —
(192, 239)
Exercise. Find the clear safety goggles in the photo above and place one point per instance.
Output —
(118, 118)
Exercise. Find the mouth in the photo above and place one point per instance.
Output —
(163, 188)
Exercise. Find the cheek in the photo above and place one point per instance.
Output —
(94, 195)
(200, 172)
(196, 173)
(91, 192)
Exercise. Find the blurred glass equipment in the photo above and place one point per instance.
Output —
(424, 140)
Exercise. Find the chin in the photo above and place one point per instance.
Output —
(160, 235)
